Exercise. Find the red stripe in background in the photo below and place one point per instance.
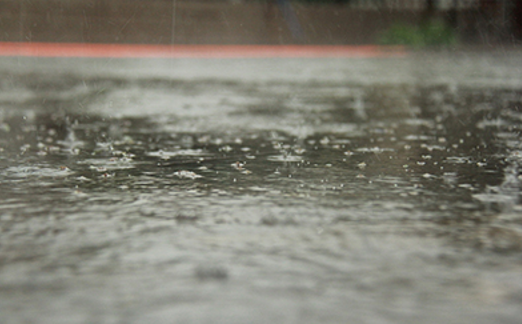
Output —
(195, 51)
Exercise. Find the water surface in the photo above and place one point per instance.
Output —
(128, 194)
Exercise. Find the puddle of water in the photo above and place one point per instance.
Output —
(402, 200)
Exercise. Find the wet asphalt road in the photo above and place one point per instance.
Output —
(262, 190)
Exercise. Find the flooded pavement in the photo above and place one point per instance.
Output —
(258, 191)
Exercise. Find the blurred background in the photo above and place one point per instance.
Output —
(410, 22)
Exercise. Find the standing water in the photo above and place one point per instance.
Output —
(261, 191)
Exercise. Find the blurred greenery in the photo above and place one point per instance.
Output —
(432, 33)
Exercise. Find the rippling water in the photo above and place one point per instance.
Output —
(124, 200)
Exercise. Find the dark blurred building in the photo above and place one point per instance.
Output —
(249, 21)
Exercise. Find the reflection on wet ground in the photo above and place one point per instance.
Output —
(132, 200)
